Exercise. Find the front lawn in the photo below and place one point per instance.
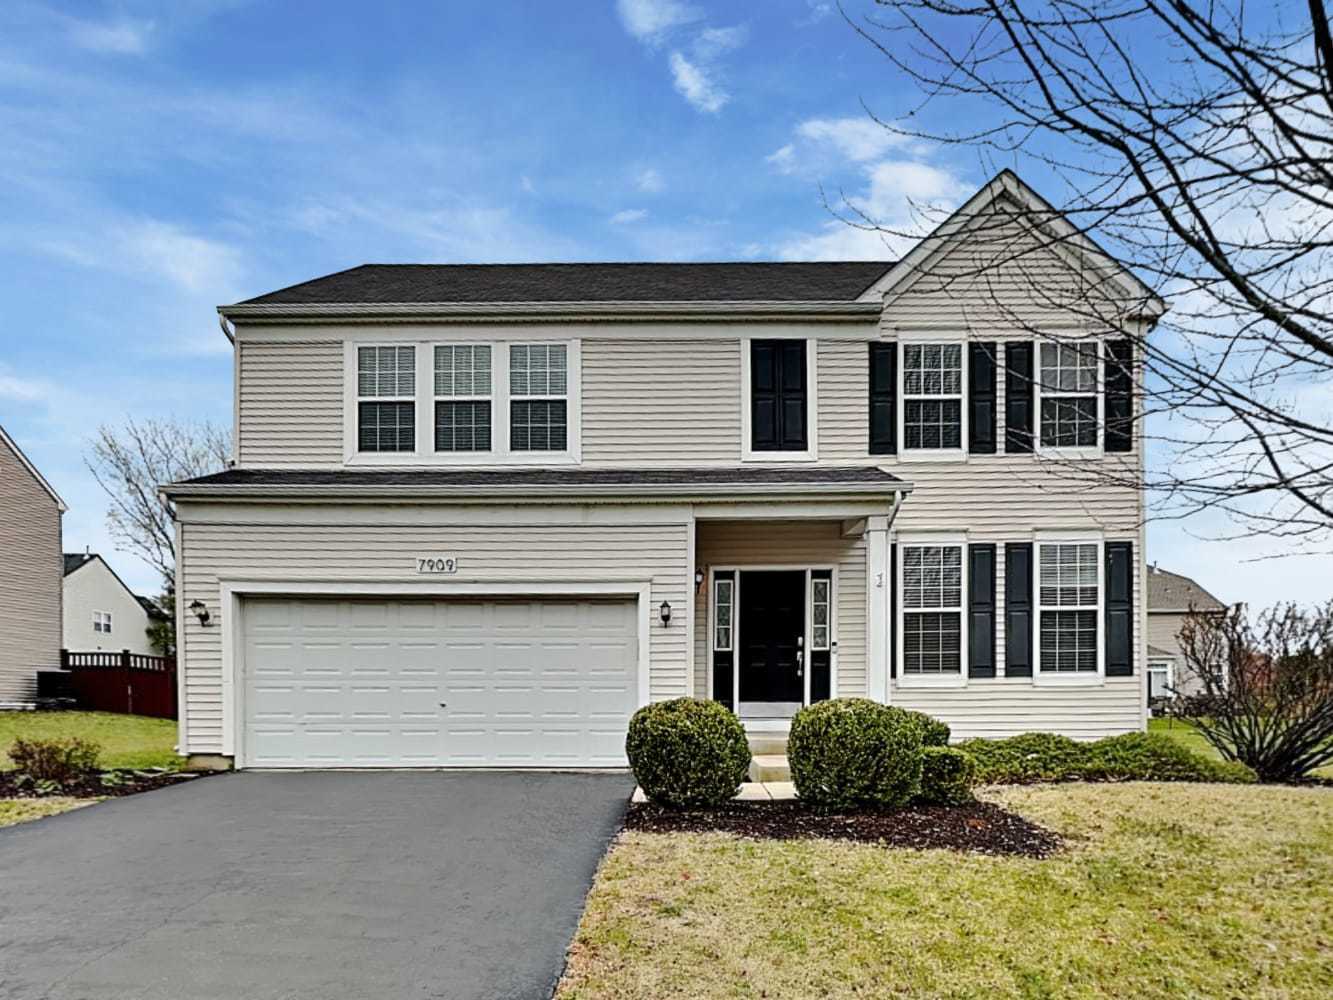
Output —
(1178, 729)
(1164, 891)
(14, 811)
(127, 741)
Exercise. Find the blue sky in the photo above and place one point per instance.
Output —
(162, 158)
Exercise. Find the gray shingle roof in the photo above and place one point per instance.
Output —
(383, 284)
(1173, 592)
(73, 560)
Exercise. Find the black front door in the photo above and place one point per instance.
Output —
(772, 622)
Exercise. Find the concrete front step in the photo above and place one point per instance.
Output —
(767, 744)
(769, 767)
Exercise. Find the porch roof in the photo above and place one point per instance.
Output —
(740, 483)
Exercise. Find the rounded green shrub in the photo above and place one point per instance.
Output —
(1027, 758)
(1155, 757)
(687, 753)
(853, 753)
(947, 776)
(934, 733)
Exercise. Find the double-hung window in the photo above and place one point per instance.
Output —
(102, 622)
(1069, 607)
(932, 397)
(1160, 681)
(538, 397)
(932, 611)
(1068, 383)
(462, 397)
(386, 398)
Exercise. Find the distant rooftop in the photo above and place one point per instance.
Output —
(1173, 592)
(746, 281)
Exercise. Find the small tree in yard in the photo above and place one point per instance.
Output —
(1267, 687)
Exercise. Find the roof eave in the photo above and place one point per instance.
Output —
(837, 311)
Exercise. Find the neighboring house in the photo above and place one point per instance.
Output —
(1170, 598)
(101, 613)
(479, 514)
(30, 518)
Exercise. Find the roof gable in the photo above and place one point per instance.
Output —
(9, 443)
(75, 561)
(1171, 592)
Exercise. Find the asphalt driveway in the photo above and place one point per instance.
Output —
(320, 885)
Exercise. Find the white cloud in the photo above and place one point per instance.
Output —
(819, 9)
(649, 181)
(21, 390)
(783, 159)
(694, 84)
(714, 42)
(152, 248)
(650, 21)
(629, 215)
(121, 37)
(858, 138)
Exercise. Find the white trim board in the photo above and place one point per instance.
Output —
(24, 461)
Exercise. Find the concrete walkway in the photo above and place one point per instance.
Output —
(750, 791)
(306, 885)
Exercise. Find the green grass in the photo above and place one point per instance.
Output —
(126, 740)
(1180, 890)
(1179, 729)
(14, 811)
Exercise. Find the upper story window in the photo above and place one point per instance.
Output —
(463, 397)
(1067, 381)
(386, 398)
(932, 610)
(779, 411)
(1068, 606)
(932, 397)
(538, 387)
(102, 622)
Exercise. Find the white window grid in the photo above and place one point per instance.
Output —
(462, 374)
(1069, 582)
(1068, 379)
(386, 373)
(931, 591)
(724, 604)
(539, 373)
(933, 378)
(821, 598)
(102, 622)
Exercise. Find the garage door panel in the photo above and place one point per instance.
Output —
(359, 683)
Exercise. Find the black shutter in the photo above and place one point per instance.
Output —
(884, 399)
(893, 610)
(778, 393)
(1119, 403)
(1019, 393)
(1018, 609)
(1119, 609)
(981, 610)
(981, 398)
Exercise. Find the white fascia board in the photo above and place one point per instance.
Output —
(32, 469)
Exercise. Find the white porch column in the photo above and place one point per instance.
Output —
(878, 589)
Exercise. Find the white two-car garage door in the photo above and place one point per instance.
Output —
(437, 683)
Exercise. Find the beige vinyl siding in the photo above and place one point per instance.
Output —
(796, 544)
(346, 544)
(998, 707)
(661, 402)
(290, 402)
(31, 568)
(1164, 633)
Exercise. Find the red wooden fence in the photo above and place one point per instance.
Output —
(125, 682)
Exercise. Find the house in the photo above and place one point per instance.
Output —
(30, 569)
(479, 514)
(101, 613)
(1170, 598)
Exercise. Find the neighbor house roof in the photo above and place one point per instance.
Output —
(77, 560)
(151, 606)
(424, 284)
(1173, 592)
(73, 560)
(723, 482)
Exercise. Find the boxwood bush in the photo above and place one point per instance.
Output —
(687, 753)
(1155, 757)
(1030, 757)
(947, 776)
(934, 733)
(853, 753)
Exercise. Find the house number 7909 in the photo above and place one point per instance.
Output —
(437, 564)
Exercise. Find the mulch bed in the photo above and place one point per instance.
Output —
(979, 828)
(91, 786)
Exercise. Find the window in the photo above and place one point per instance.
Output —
(538, 391)
(1068, 598)
(932, 396)
(386, 398)
(820, 591)
(779, 407)
(1068, 382)
(102, 622)
(932, 615)
(1160, 681)
(463, 397)
(723, 602)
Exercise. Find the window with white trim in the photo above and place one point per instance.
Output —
(1068, 381)
(538, 397)
(932, 610)
(821, 589)
(724, 590)
(1160, 679)
(462, 397)
(932, 397)
(102, 622)
(386, 393)
(1068, 606)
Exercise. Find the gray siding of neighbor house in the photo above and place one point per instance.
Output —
(377, 543)
(1164, 633)
(31, 566)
